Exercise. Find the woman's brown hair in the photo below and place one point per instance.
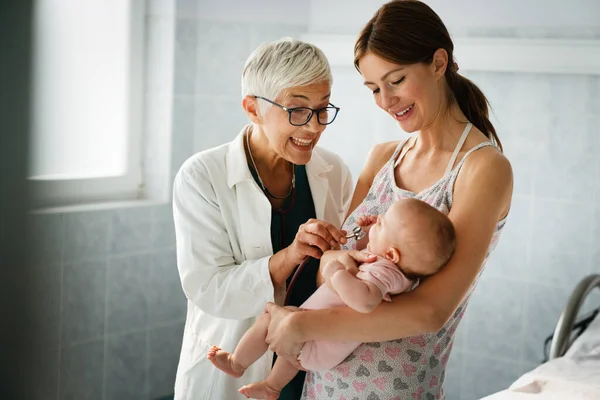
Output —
(410, 32)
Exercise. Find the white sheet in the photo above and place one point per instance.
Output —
(576, 376)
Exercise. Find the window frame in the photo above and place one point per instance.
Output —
(48, 192)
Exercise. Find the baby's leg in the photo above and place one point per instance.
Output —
(250, 348)
(281, 374)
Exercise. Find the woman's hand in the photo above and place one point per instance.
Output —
(283, 337)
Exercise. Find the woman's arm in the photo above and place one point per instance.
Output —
(482, 196)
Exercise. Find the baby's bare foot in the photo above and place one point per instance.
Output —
(223, 360)
(259, 390)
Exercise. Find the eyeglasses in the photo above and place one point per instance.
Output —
(301, 115)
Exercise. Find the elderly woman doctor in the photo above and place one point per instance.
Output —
(248, 212)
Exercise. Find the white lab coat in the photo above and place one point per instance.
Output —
(223, 225)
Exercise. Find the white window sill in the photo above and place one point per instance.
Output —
(109, 205)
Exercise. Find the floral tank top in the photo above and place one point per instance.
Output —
(411, 368)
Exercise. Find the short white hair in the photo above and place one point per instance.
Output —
(282, 64)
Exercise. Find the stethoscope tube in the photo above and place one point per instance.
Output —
(294, 278)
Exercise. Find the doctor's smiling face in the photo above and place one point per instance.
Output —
(287, 135)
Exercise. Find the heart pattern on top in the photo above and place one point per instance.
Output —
(362, 371)
(399, 385)
(413, 355)
(384, 367)
(341, 384)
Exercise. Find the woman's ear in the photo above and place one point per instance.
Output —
(392, 254)
(439, 62)
(251, 108)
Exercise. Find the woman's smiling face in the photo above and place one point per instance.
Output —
(411, 94)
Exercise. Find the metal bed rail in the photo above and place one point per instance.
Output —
(562, 334)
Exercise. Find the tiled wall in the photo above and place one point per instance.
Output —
(110, 306)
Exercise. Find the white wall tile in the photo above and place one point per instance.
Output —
(81, 371)
(166, 301)
(187, 8)
(130, 230)
(217, 122)
(125, 367)
(510, 260)
(164, 345)
(496, 319)
(567, 170)
(186, 36)
(46, 234)
(463, 15)
(256, 11)
(86, 235)
(543, 306)
(454, 376)
(560, 243)
(161, 7)
(261, 33)
(83, 302)
(221, 54)
(127, 293)
(595, 256)
(184, 115)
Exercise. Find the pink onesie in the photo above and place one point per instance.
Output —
(323, 355)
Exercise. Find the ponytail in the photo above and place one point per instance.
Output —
(472, 103)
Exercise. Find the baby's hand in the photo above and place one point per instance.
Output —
(366, 220)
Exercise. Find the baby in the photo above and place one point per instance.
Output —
(411, 240)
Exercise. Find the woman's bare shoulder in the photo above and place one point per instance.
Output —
(379, 155)
(488, 159)
(487, 176)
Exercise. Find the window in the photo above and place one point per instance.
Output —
(87, 101)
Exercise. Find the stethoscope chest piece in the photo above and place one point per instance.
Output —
(357, 233)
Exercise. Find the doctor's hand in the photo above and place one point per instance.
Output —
(283, 335)
(312, 239)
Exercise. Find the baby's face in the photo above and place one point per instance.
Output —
(385, 232)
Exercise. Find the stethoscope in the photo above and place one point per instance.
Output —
(357, 234)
